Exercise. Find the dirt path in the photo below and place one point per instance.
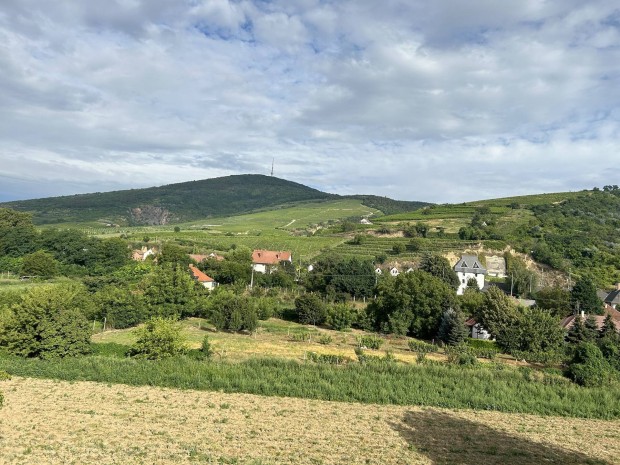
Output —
(56, 422)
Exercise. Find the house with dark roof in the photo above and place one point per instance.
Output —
(611, 298)
(263, 261)
(469, 267)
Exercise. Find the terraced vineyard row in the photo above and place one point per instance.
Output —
(374, 247)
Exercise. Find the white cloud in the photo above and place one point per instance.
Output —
(398, 98)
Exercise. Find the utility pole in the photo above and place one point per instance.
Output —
(272, 161)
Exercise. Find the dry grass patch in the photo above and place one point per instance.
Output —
(56, 422)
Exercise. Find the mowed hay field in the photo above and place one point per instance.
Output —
(57, 422)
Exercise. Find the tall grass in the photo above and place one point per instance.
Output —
(487, 388)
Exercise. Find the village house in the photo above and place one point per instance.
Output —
(207, 281)
(568, 322)
(142, 254)
(198, 258)
(476, 330)
(265, 261)
(611, 298)
(469, 267)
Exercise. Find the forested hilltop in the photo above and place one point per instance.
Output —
(187, 201)
(172, 203)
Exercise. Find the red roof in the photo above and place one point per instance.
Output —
(270, 257)
(200, 276)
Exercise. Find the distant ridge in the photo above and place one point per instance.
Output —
(172, 203)
(187, 201)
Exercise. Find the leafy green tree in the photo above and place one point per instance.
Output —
(412, 303)
(48, 322)
(414, 244)
(497, 313)
(554, 300)
(173, 254)
(69, 247)
(17, 233)
(158, 338)
(471, 300)
(121, 306)
(421, 229)
(310, 309)
(532, 331)
(578, 332)
(439, 267)
(169, 292)
(398, 248)
(609, 330)
(522, 280)
(584, 299)
(231, 312)
(39, 263)
(343, 275)
(452, 329)
(341, 316)
(588, 367)
(109, 255)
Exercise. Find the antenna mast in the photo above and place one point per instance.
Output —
(272, 160)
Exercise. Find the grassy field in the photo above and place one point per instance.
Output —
(274, 338)
(56, 422)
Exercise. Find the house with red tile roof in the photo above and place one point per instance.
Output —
(264, 261)
(207, 281)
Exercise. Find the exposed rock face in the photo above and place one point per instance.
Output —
(150, 215)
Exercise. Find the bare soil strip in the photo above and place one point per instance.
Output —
(58, 422)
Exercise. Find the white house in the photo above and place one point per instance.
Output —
(469, 267)
(394, 271)
(264, 260)
(476, 330)
(378, 270)
(207, 281)
(142, 254)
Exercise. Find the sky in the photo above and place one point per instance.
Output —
(440, 101)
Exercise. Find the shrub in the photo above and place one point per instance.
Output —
(4, 376)
(460, 355)
(231, 312)
(370, 342)
(341, 316)
(120, 306)
(588, 367)
(327, 358)
(158, 338)
(367, 359)
(48, 322)
(300, 337)
(325, 339)
(310, 309)
(421, 347)
(206, 351)
(265, 307)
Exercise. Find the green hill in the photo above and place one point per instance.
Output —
(172, 203)
(188, 201)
